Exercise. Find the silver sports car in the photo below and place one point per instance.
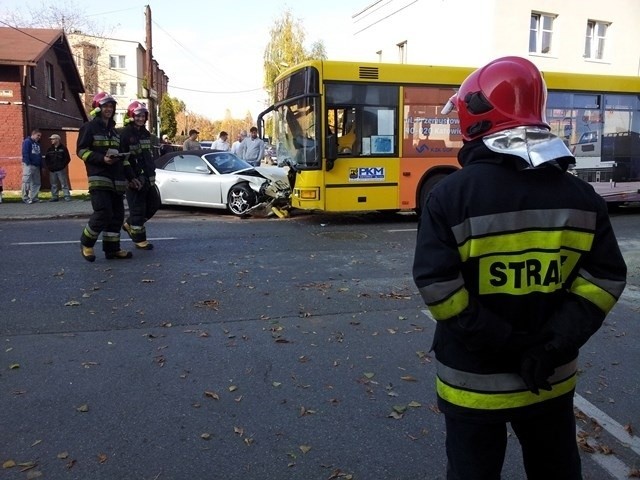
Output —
(213, 179)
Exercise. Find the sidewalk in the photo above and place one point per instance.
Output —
(44, 210)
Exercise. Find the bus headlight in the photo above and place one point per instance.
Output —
(307, 193)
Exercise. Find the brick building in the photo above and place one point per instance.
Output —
(40, 87)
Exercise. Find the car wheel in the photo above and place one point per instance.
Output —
(240, 199)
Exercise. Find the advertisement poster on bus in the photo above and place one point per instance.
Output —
(428, 133)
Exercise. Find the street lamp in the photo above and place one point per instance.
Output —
(186, 123)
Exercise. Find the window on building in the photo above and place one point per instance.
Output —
(540, 33)
(402, 52)
(117, 61)
(594, 41)
(50, 80)
(32, 77)
(118, 117)
(117, 88)
(63, 90)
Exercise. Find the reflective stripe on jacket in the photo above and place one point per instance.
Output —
(137, 141)
(500, 390)
(94, 139)
(501, 251)
(523, 252)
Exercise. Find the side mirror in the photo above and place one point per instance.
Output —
(332, 150)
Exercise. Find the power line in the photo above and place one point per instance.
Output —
(124, 74)
(185, 49)
(202, 61)
(189, 52)
(114, 11)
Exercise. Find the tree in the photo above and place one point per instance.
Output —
(318, 51)
(284, 49)
(178, 105)
(67, 15)
(168, 124)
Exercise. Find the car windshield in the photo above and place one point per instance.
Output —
(225, 162)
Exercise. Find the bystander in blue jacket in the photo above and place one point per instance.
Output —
(31, 163)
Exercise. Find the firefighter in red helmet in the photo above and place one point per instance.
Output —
(143, 202)
(518, 264)
(108, 173)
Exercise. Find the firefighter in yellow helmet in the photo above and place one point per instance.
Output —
(518, 264)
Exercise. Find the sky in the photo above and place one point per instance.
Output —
(213, 51)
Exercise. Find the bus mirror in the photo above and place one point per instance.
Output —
(332, 150)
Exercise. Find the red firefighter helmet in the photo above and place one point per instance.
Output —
(136, 108)
(508, 92)
(101, 98)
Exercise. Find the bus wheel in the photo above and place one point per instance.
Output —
(426, 188)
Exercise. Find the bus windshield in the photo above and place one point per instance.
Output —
(297, 132)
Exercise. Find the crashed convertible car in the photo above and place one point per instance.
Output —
(214, 179)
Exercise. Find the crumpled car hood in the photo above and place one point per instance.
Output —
(271, 173)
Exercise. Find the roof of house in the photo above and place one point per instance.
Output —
(25, 46)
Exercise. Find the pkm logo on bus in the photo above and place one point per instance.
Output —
(366, 173)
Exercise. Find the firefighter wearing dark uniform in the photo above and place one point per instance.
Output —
(518, 264)
(143, 202)
(108, 175)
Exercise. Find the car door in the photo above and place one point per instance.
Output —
(190, 181)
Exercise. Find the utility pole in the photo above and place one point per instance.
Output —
(149, 47)
(149, 77)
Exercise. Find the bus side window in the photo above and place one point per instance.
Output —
(347, 141)
(341, 129)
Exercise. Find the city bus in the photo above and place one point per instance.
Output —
(371, 136)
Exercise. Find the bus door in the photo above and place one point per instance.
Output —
(362, 122)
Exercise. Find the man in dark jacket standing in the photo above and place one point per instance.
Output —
(31, 164)
(143, 202)
(56, 160)
(518, 264)
(109, 174)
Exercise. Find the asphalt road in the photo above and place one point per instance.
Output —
(253, 349)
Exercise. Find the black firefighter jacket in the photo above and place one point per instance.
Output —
(94, 139)
(503, 253)
(137, 141)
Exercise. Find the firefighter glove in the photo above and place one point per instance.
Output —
(134, 184)
(536, 366)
